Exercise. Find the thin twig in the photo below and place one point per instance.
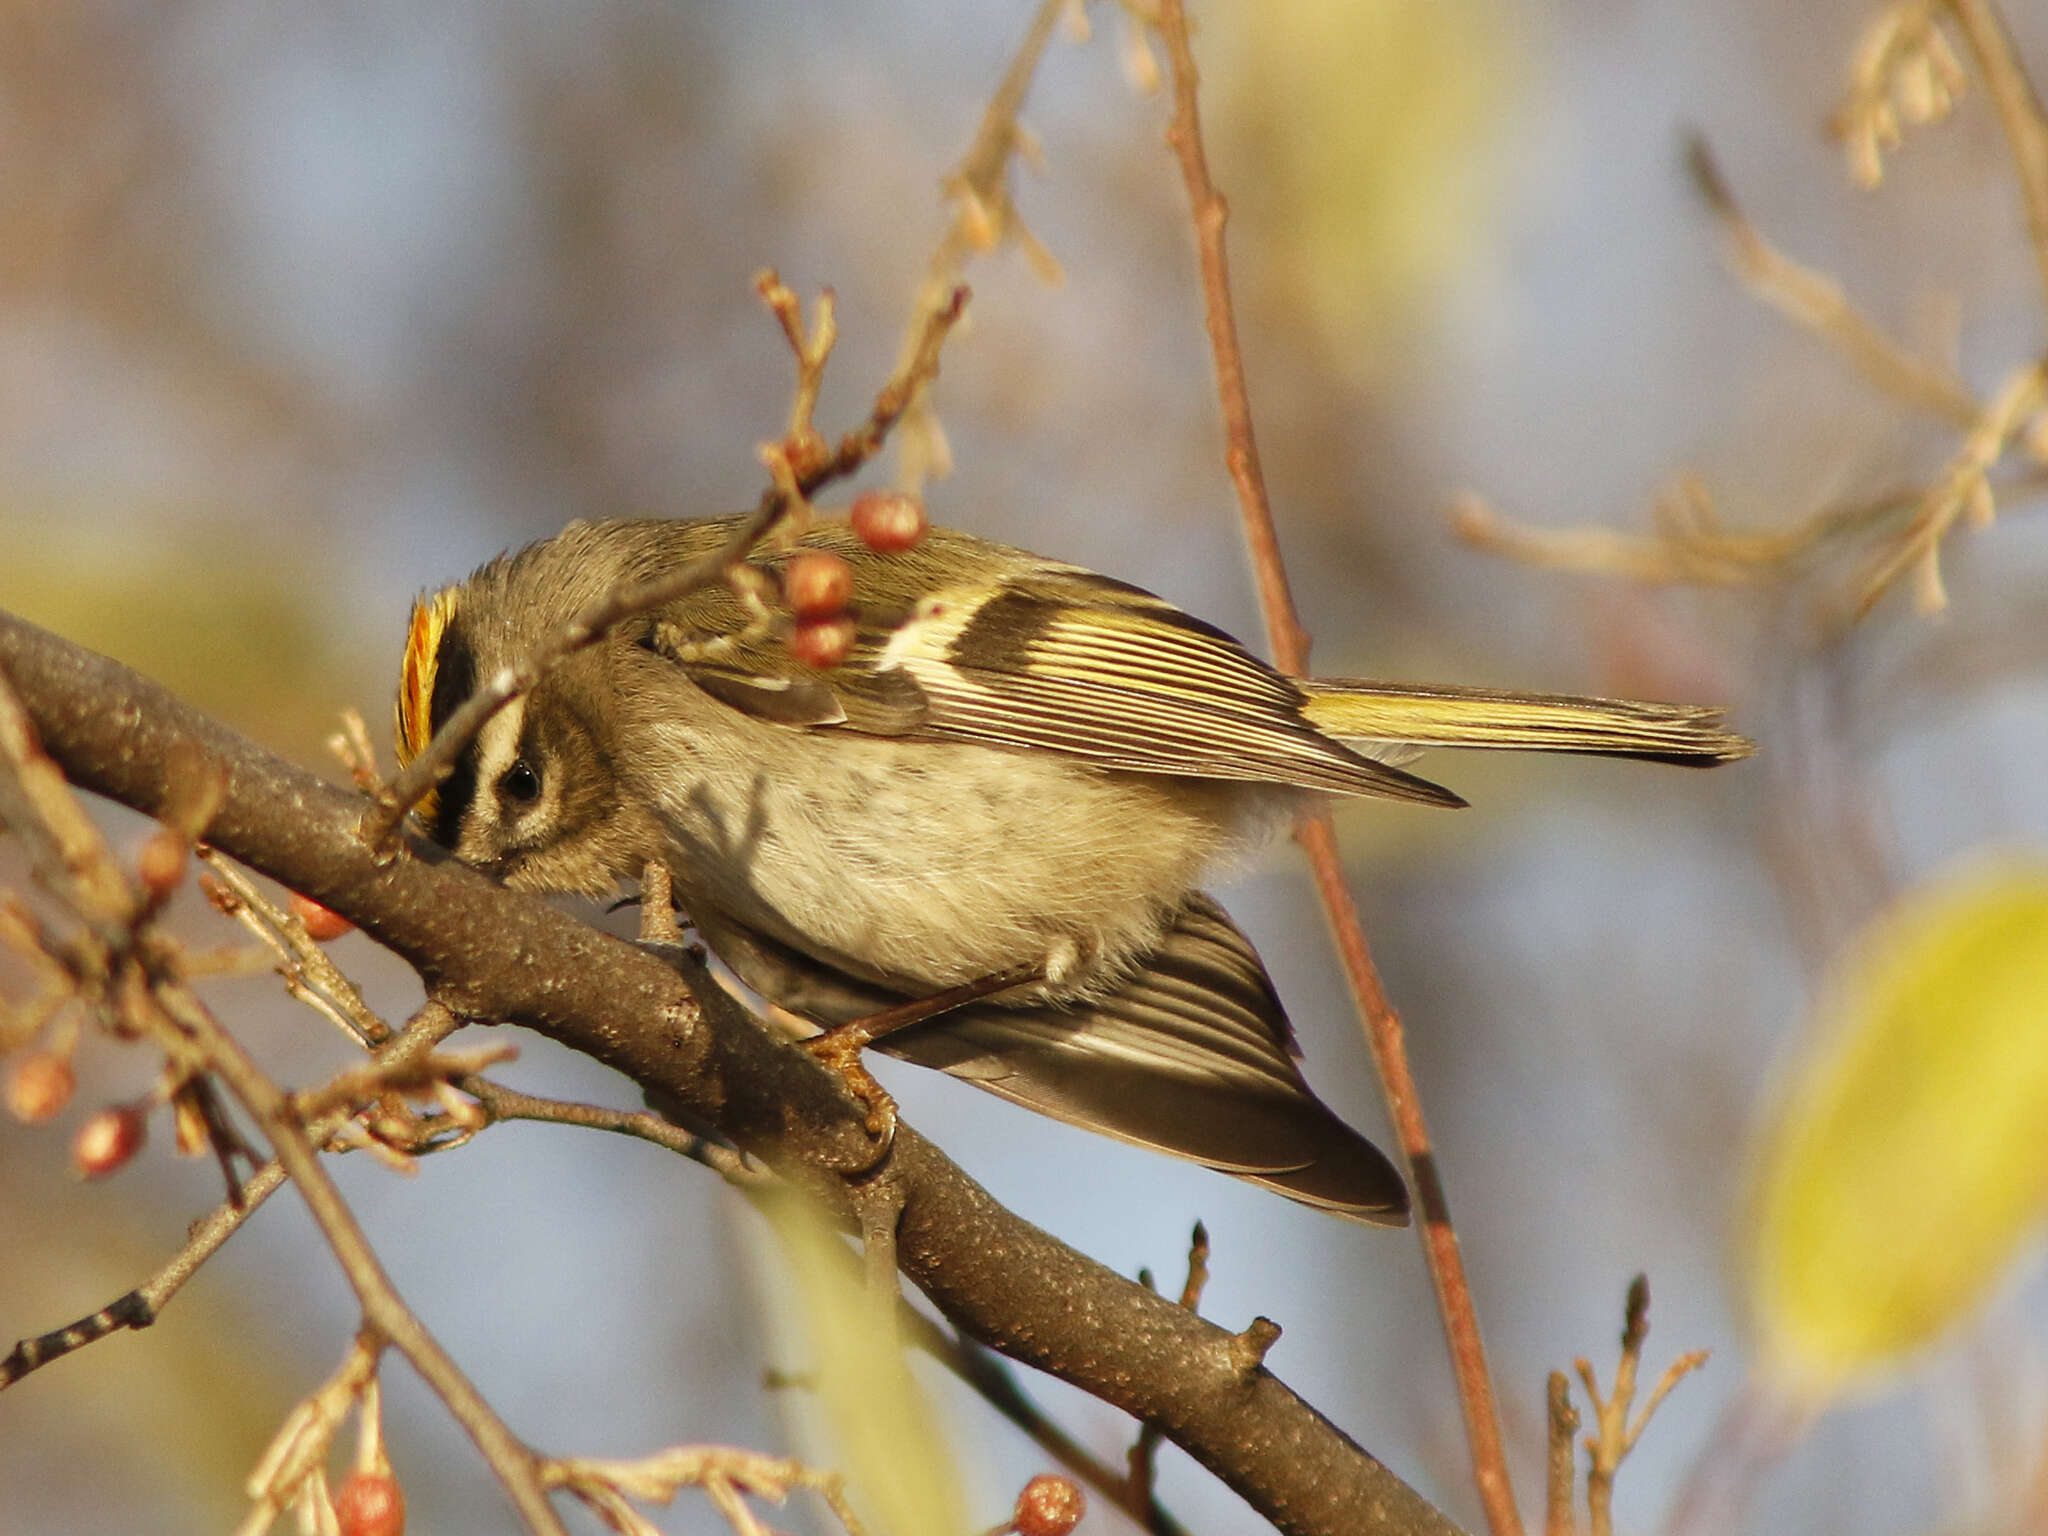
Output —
(1689, 544)
(141, 1306)
(1614, 1434)
(351, 744)
(1816, 301)
(2019, 112)
(811, 349)
(1561, 1421)
(101, 895)
(293, 1468)
(388, 807)
(983, 216)
(1241, 453)
(384, 1310)
(69, 854)
(658, 923)
(502, 1103)
(356, 1088)
(1145, 1449)
(725, 1473)
(1290, 653)
(1902, 69)
(1756, 1427)
(1964, 488)
(309, 973)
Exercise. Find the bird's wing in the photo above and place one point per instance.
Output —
(1191, 1056)
(1023, 653)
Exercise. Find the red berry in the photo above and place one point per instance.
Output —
(106, 1142)
(817, 585)
(161, 863)
(39, 1086)
(370, 1504)
(323, 925)
(1050, 1505)
(822, 642)
(888, 522)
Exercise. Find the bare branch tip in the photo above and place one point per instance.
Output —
(1707, 179)
(1636, 1314)
(1558, 1403)
(1248, 1349)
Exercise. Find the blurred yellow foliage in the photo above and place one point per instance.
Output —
(887, 1442)
(1360, 133)
(242, 628)
(1907, 1163)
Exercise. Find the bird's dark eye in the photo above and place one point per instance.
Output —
(520, 783)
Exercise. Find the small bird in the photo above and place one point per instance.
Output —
(1020, 771)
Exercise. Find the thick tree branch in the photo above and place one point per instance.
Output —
(493, 954)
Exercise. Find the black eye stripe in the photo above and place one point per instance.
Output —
(454, 681)
(454, 676)
(451, 806)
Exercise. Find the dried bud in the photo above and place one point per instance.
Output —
(370, 1504)
(106, 1142)
(1050, 1505)
(161, 863)
(323, 925)
(888, 522)
(822, 642)
(817, 585)
(190, 1133)
(39, 1086)
(808, 453)
(978, 223)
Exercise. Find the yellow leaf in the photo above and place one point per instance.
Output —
(1906, 1166)
(1361, 140)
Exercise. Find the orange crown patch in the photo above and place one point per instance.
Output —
(415, 711)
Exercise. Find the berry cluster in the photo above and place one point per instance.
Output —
(817, 586)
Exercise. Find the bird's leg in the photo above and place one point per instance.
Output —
(877, 1201)
(658, 905)
(840, 1046)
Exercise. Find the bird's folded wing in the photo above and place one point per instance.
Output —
(1190, 1056)
(1018, 652)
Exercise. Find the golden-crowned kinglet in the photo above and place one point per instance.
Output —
(1020, 764)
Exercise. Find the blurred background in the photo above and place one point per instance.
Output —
(305, 307)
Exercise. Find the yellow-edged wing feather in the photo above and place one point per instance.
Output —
(963, 640)
(1070, 662)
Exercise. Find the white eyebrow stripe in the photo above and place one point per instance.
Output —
(497, 748)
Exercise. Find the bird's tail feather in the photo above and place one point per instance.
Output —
(1361, 712)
